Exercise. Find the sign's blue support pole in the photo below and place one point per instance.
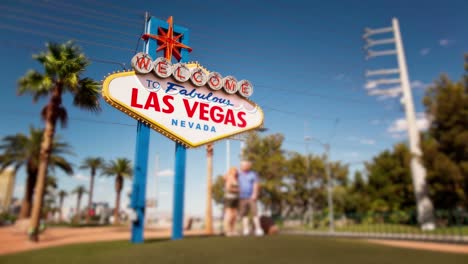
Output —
(179, 190)
(180, 160)
(138, 196)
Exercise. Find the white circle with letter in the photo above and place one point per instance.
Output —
(181, 72)
(162, 67)
(142, 63)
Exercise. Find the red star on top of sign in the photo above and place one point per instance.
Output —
(168, 42)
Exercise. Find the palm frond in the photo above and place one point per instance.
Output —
(79, 190)
(87, 95)
(120, 166)
(61, 163)
(92, 163)
(36, 84)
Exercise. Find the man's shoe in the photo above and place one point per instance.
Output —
(246, 232)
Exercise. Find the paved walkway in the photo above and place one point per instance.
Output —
(12, 240)
(424, 245)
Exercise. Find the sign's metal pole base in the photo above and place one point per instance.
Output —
(179, 190)
(138, 195)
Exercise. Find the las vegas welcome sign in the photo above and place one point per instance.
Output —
(182, 101)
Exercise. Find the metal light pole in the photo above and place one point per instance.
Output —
(331, 217)
(424, 205)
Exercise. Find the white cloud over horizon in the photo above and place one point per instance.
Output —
(363, 141)
(80, 177)
(399, 127)
(165, 173)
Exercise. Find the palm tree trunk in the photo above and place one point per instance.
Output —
(61, 209)
(46, 147)
(90, 197)
(78, 205)
(118, 190)
(28, 196)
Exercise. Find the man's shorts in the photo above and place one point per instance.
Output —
(247, 206)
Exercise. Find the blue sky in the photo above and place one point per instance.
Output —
(304, 58)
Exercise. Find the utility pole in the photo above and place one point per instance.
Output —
(424, 205)
(209, 180)
(331, 216)
(326, 147)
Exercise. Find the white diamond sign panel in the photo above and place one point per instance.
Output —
(187, 112)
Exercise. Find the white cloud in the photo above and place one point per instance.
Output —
(387, 93)
(103, 179)
(445, 42)
(418, 84)
(392, 92)
(165, 173)
(352, 154)
(339, 77)
(366, 141)
(424, 51)
(81, 177)
(400, 126)
(376, 122)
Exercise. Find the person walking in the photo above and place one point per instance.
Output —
(231, 201)
(249, 189)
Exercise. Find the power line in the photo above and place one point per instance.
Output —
(99, 13)
(49, 35)
(62, 20)
(87, 120)
(21, 45)
(80, 13)
(47, 24)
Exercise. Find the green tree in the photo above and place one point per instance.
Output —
(358, 199)
(61, 194)
(389, 181)
(268, 161)
(63, 66)
(218, 190)
(306, 183)
(120, 168)
(93, 164)
(22, 150)
(79, 191)
(446, 142)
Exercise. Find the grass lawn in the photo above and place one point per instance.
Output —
(278, 249)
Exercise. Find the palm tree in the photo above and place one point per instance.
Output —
(121, 168)
(93, 164)
(22, 150)
(63, 66)
(61, 194)
(49, 195)
(79, 191)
